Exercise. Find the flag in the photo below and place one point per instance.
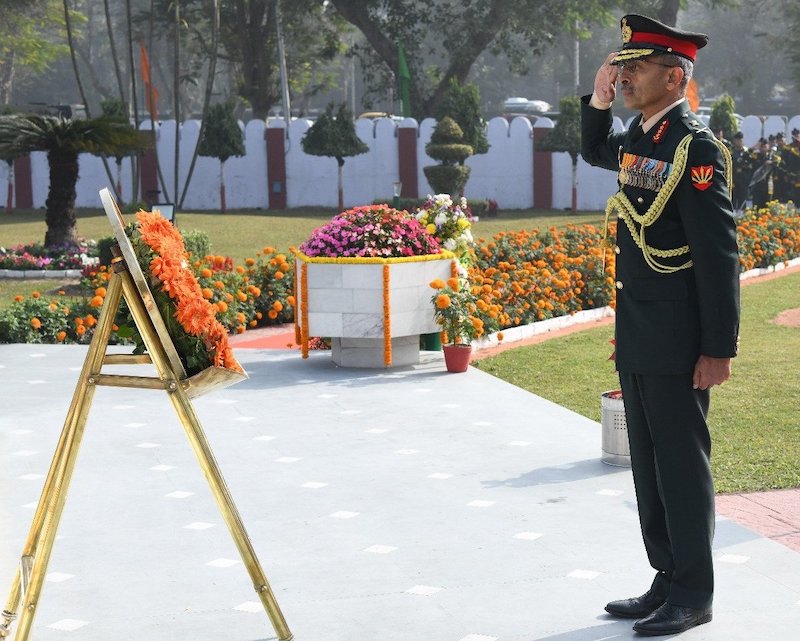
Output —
(150, 92)
(405, 81)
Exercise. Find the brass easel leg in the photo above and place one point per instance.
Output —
(39, 544)
(197, 439)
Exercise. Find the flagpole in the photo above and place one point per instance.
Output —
(287, 107)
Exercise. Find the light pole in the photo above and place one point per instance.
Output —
(397, 187)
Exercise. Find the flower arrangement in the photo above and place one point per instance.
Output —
(372, 231)
(454, 310)
(450, 224)
(248, 295)
(38, 318)
(769, 235)
(200, 339)
(527, 276)
(37, 256)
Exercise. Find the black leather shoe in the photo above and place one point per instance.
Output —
(672, 619)
(638, 607)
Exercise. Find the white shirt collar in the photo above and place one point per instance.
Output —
(652, 120)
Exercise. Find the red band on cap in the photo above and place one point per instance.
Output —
(683, 47)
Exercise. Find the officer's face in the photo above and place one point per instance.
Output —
(647, 85)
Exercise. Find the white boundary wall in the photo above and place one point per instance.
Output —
(504, 174)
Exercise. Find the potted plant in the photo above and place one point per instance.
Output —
(454, 306)
(361, 279)
(450, 223)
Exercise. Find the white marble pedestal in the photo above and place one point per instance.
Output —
(345, 301)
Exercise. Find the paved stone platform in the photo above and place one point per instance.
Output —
(389, 505)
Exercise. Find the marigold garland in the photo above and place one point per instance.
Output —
(304, 309)
(297, 337)
(387, 319)
(195, 315)
(376, 260)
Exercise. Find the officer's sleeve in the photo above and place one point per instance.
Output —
(599, 144)
(707, 216)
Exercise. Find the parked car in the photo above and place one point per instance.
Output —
(519, 105)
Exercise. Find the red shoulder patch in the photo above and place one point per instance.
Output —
(701, 176)
(661, 131)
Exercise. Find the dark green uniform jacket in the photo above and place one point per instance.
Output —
(667, 318)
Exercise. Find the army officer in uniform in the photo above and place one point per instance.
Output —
(677, 322)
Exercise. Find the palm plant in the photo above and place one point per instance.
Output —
(64, 139)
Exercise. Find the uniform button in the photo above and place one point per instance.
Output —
(619, 284)
(640, 200)
(616, 249)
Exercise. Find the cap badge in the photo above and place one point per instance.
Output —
(701, 176)
(627, 32)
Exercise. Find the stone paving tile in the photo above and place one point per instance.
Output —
(774, 514)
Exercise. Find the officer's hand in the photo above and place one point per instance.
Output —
(709, 371)
(605, 81)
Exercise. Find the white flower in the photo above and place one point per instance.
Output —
(450, 244)
(442, 200)
(441, 219)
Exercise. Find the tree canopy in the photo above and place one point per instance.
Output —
(442, 39)
(334, 136)
(222, 137)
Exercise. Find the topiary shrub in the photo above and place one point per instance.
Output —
(723, 118)
(197, 243)
(447, 146)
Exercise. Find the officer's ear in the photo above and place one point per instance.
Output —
(675, 76)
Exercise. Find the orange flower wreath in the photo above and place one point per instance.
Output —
(200, 339)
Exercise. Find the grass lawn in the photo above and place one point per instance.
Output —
(754, 417)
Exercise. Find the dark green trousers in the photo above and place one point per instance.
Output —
(670, 459)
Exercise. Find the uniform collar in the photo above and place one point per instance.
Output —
(648, 124)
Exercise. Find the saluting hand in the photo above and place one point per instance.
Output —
(605, 80)
(709, 371)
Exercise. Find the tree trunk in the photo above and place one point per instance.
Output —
(340, 186)
(222, 186)
(118, 185)
(10, 195)
(113, 45)
(574, 186)
(60, 214)
(6, 78)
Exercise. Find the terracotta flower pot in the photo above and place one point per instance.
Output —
(456, 357)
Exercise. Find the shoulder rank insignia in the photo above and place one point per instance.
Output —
(661, 131)
(701, 176)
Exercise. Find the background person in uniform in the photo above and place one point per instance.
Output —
(790, 167)
(742, 171)
(780, 180)
(677, 317)
(760, 181)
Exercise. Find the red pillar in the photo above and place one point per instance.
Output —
(407, 157)
(542, 172)
(148, 174)
(23, 183)
(276, 167)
